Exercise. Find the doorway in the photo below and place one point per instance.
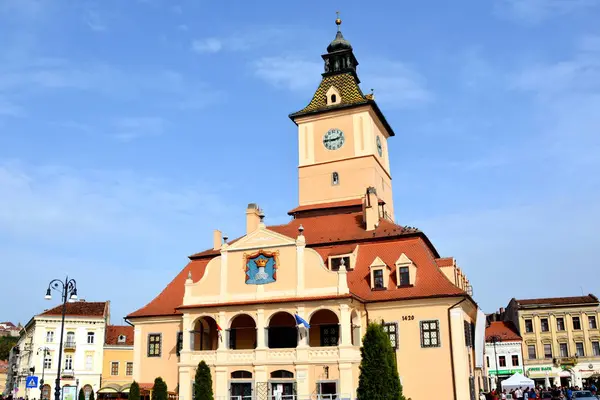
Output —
(327, 390)
(241, 390)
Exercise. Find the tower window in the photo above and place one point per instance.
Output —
(333, 98)
(335, 178)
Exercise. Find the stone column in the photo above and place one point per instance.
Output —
(347, 389)
(260, 329)
(185, 384)
(221, 379)
(346, 328)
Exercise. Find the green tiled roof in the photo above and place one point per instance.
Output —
(345, 84)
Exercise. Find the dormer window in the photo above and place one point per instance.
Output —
(338, 262)
(406, 271)
(380, 274)
(332, 97)
(335, 178)
(122, 339)
(378, 279)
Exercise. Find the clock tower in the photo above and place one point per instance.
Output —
(342, 137)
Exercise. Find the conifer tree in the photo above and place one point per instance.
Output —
(81, 394)
(91, 395)
(379, 378)
(134, 391)
(203, 383)
(159, 390)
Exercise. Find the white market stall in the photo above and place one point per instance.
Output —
(517, 381)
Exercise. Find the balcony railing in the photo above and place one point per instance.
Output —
(318, 354)
(69, 345)
(67, 373)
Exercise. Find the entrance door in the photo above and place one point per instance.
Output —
(327, 390)
(241, 391)
(282, 390)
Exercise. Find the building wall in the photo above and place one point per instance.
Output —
(575, 369)
(507, 350)
(34, 338)
(122, 355)
(361, 127)
(3, 378)
(146, 369)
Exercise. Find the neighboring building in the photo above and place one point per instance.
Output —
(3, 376)
(503, 351)
(117, 369)
(340, 263)
(10, 329)
(561, 339)
(38, 345)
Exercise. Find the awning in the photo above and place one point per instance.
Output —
(125, 388)
(110, 388)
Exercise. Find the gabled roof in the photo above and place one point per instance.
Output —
(80, 309)
(113, 332)
(590, 299)
(334, 235)
(502, 331)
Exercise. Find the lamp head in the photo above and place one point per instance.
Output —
(74, 294)
(48, 295)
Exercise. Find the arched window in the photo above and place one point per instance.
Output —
(333, 98)
(241, 375)
(335, 178)
(282, 374)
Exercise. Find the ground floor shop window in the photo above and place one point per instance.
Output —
(327, 390)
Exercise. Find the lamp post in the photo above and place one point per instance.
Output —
(495, 339)
(68, 291)
(45, 351)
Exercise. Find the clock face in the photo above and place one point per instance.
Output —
(333, 139)
(379, 147)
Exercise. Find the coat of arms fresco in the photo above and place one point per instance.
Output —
(261, 267)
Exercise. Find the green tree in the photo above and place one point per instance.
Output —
(134, 391)
(203, 383)
(6, 344)
(379, 378)
(81, 394)
(91, 395)
(159, 390)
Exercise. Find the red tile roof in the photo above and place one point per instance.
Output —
(352, 203)
(559, 301)
(445, 262)
(81, 309)
(114, 331)
(502, 330)
(336, 234)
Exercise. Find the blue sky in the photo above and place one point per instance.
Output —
(128, 128)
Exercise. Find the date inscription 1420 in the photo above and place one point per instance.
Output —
(408, 317)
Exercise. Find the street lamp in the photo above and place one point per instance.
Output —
(495, 339)
(45, 351)
(68, 291)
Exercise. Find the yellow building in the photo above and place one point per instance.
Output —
(3, 376)
(117, 365)
(339, 264)
(561, 339)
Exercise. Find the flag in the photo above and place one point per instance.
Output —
(219, 331)
(301, 321)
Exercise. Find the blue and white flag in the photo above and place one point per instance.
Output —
(301, 321)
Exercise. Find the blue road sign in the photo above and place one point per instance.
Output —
(31, 382)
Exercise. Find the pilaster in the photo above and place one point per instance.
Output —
(185, 384)
(302, 381)
(300, 247)
(347, 387)
(221, 379)
(346, 328)
(224, 263)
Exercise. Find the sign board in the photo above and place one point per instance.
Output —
(69, 392)
(31, 382)
(505, 371)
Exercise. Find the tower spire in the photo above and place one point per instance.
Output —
(338, 21)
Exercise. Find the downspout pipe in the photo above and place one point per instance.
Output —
(452, 347)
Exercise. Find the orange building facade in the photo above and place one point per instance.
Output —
(281, 311)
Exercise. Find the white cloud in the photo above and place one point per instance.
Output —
(395, 84)
(131, 128)
(535, 11)
(94, 21)
(208, 45)
(288, 72)
(54, 203)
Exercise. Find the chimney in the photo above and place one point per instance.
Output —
(252, 217)
(371, 209)
(217, 239)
